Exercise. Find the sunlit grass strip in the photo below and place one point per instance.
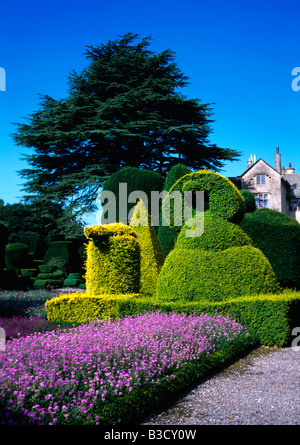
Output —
(80, 375)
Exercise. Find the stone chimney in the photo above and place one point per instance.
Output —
(290, 170)
(249, 162)
(277, 160)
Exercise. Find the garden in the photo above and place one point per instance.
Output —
(107, 336)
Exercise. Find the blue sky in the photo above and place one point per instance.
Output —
(238, 55)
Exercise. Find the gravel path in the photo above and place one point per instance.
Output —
(260, 389)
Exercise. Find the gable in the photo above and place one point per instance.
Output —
(260, 167)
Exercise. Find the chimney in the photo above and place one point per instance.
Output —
(290, 170)
(249, 162)
(277, 160)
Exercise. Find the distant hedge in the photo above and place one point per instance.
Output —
(16, 256)
(3, 241)
(278, 237)
(249, 201)
(167, 235)
(136, 180)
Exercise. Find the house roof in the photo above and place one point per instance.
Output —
(294, 183)
(260, 159)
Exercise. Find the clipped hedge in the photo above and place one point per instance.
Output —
(268, 318)
(195, 274)
(136, 180)
(250, 205)
(113, 260)
(79, 307)
(224, 199)
(278, 237)
(3, 241)
(218, 234)
(16, 256)
(167, 235)
(152, 254)
(65, 255)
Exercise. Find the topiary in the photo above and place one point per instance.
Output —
(67, 252)
(113, 260)
(195, 274)
(221, 263)
(223, 198)
(218, 234)
(249, 201)
(135, 179)
(167, 235)
(3, 241)
(16, 256)
(152, 254)
(278, 237)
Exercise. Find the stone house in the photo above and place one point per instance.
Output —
(276, 188)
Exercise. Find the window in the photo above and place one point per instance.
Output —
(260, 179)
(295, 204)
(261, 201)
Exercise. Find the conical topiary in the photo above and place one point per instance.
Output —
(152, 254)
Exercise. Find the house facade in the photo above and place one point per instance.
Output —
(277, 188)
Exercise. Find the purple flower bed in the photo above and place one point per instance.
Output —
(61, 377)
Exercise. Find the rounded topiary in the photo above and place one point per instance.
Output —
(249, 201)
(3, 241)
(16, 256)
(68, 254)
(135, 179)
(218, 234)
(152, 254)
(223, 198)
(166, 234)
(113, 260)
(195, 274)
(278, 237)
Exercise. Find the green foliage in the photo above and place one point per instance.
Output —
(123, 109)
(16, 256)
(224, 199)
(3, 242)
(278, 237)
(218, 234)
(167, 235)
(152, 254)
(113, 260)
(135, 180)
(249, 201)
(80, 307)
(268, 318)
(68, 254)
(199, 275)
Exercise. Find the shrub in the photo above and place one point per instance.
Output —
(278, 237)
(224, 199)
(195, 274)
(250, 205)
(68, 254)
(269, 318)
(167, 235)
(80, 307)
(152, 254)
(3, 241)
(218, 234)
(136, 180)
(113, 260)
(16, 256)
